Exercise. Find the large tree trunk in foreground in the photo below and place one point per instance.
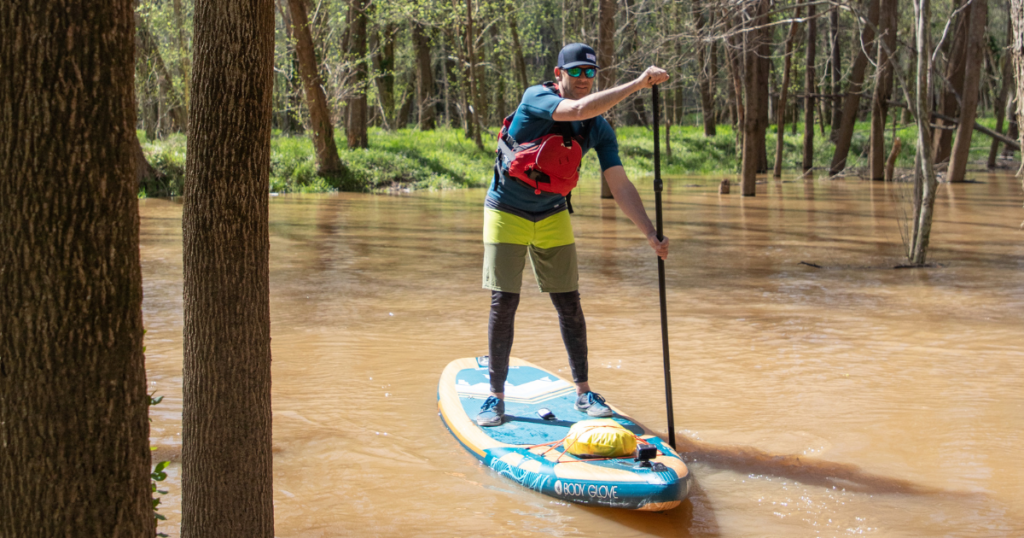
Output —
(74, 433)
(227, 481)
(358, 115)
(809, 85)
(886, 41)
(780, 112)
(316, 101)
(972, 81)
(424, 78)
(852, 100)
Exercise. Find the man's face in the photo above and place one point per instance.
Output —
(574, 87)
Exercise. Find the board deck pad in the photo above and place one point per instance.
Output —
(510, 448)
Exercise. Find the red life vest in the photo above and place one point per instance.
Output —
(550, 163)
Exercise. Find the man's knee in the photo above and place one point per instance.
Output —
(567, 303)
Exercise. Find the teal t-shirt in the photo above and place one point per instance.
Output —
(532, 120)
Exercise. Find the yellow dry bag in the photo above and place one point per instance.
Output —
(600, 438)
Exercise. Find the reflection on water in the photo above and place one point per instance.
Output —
(847, 399)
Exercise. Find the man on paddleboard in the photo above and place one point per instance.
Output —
(526, 211)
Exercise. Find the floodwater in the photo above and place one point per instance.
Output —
(848, 399)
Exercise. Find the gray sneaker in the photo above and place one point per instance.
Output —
(492, 412)
(593, 405)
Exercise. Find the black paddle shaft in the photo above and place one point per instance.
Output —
(661, 267)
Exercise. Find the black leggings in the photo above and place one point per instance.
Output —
(500, 331)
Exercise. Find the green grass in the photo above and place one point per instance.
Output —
(445, 159)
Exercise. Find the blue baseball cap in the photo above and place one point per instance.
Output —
(576, 54)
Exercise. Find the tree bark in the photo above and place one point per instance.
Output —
(474, 96)
(704, 81)
(836, 74)
(1017, 51)
(606, 45)
(517, 50)
(975, 53)
(852, 101)
(1000, 105)
(886, 40)
(780, 112)
(809, 88)
(925, 182)
(751, 77)
(316, 100)
(74, 433)
(763, 88)
(736, 62)
(227, 479)
(358, 116)
(952, 89)
(424, 78)
(384, 72)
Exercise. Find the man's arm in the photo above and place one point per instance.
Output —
(629, 202)
(598, 103)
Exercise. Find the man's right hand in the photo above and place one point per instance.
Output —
(651, 76)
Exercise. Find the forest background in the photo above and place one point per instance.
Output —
(396, 95)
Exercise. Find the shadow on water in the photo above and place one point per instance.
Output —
(694, 517)
(804, 469)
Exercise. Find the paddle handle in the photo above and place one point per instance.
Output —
(661, 267)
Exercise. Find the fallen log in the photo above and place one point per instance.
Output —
(977, 127)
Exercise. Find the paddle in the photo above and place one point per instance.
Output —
(661, 268)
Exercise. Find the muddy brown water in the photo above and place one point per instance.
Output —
(843, 400)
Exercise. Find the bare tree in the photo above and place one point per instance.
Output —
(925, 182)
(316, 101)
(74, 447)
(864, 46)
(358, 115)
(752, 65)
(424, 78)
(227, 479)
(952, 85)
(809, 87)
(976, 43)
(883, 89)
(1000, 103)
(780, 112)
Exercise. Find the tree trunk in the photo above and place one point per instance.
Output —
(886, 41)
(851, 103)
(780, 112)
(809, 88)
(925, 182)
(1017, 51)
(424, 78)
(836, 74)
(763, 88)
(1000, 108)
(736, 48)
(172, 102)
(316, 101)
(384, 72)
(953, 87)
(751, 77)
(606, 45)
(474, 96)
(183, 63)
(358, 116)
(517, 50)
(74, 433)
(227, 479)
(975, 53)
(704, 82)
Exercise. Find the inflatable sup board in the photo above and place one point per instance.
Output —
(512, 450)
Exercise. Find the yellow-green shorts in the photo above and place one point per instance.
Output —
(549, 242)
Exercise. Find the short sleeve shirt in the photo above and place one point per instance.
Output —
(533, 120)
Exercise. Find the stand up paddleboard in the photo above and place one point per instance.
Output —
(525, 448)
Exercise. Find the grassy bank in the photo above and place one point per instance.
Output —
(445, 159)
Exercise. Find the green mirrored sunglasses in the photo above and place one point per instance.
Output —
(575, 72)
